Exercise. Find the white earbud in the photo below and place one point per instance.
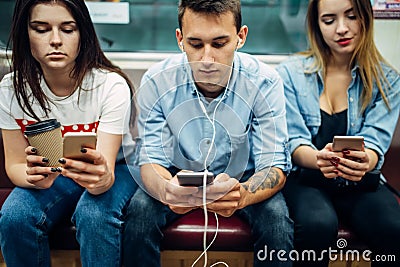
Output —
(181, 46)
(239, 42)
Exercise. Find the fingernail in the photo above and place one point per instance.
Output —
(62, 161)
(45, 160)
(346, 152)
(34, 150)
(334, 163)
(335, 159)
(58, 169)
(53, 169)
(83, 150)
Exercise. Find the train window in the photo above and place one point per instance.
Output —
(275, 26)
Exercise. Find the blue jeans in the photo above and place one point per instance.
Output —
(28, 215)
(146, 217)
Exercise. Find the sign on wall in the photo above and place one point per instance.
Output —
(109, 12)
(386, 9)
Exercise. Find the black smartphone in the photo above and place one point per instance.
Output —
(347, 143)
(194, 178)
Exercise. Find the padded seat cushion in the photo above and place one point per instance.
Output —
(186, 233)
(353, 242)
(63, 237)
(4, 192)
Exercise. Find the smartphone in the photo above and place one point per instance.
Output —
(347, 143)
(194, 178)
(75, 141)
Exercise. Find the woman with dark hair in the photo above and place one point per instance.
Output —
(341, 86)
(60, 72)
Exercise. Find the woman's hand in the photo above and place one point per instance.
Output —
(94, 174)
(37, 173)
(351, 165)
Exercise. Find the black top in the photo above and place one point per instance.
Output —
(331, 125)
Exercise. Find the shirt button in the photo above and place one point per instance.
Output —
(352, 125)
(351, 99)
(208, 142)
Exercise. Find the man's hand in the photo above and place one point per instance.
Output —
(178, 197)
(222, 197)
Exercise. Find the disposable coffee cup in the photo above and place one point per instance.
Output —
(46, 137)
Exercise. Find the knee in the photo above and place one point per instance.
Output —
(316, 232)
(273, 220)
(14, 219)
(143, 212)
(142, 205)
(318, 226)
(386, 234)
(96, 216)
(92, 212)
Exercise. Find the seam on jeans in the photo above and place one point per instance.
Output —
(40, 238)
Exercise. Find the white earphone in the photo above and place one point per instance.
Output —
(240, 40)
(205, 167)
(181, 46)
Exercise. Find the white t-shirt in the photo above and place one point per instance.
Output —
(104, 104)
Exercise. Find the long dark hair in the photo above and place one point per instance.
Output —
(27, 70)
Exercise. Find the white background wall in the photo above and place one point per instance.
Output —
(387, 38)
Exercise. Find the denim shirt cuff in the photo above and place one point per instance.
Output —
(381, 156)
(294, 144)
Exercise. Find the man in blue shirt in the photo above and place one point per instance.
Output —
(210, 109)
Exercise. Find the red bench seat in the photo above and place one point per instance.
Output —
(187, 232)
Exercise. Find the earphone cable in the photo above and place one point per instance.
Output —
(204, 196)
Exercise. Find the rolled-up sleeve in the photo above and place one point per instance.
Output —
(298, 132)
(270, 138)
(156, 138)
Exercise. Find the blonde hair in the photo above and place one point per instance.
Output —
(366, 55)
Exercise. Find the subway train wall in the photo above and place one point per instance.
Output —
(387, 38)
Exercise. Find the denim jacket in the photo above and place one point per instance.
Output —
(302, 91)
(249, 119)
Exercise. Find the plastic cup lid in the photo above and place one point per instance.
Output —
(41, 126)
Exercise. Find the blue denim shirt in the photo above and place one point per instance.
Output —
(250, 125)
(303, 90)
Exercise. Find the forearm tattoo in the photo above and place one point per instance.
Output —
(264, 179)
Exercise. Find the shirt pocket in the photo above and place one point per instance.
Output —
(311, 115)
(310, 111)
(313, 123)
(238, 142)
(237, 154)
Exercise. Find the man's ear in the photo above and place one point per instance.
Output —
(179, 39)
(242, 36)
